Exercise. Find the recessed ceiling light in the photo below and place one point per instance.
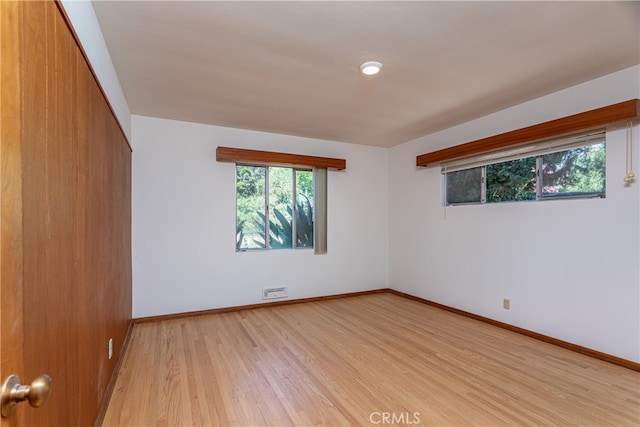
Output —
(371, 67)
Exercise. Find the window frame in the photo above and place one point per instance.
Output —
(267, 205)
(320, 166)
(537, 150)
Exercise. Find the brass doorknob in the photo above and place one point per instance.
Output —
(13, 393)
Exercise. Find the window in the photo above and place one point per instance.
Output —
(465, 186)
(274, 207)
(511, 181)
(575, 172)
(265, 218)
(570, 167)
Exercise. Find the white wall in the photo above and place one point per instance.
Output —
(184, 256)
(570, 267)
(85, 23)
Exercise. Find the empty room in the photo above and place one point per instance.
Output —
(380, 213)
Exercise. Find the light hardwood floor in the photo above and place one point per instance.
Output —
(377, 359)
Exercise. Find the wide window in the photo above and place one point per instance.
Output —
(274, 207)
(564, 168)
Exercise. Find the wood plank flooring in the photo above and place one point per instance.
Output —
(377, 359)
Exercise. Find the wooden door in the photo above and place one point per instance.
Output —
(11, 266)
(65, 272)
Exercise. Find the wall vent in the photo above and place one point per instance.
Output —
(274, 293)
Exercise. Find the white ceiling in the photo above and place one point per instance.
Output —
(293, 67)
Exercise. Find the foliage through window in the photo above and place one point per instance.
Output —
(511, 181)
(575, 172)
(274, 207)
(561, 173)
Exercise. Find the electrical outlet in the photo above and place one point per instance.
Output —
(506, 303)
(110, 348)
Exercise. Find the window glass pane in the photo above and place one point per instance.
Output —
(304, 209)
(578, 171)
(280, 207)
(464, 186)
(250, 207)
(514, 180)
(261, 189)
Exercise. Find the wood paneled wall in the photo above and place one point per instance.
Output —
(76, 201)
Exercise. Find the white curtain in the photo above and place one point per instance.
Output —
(320, 211)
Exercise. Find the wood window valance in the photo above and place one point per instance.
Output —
(578, 122)
(240, 155)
